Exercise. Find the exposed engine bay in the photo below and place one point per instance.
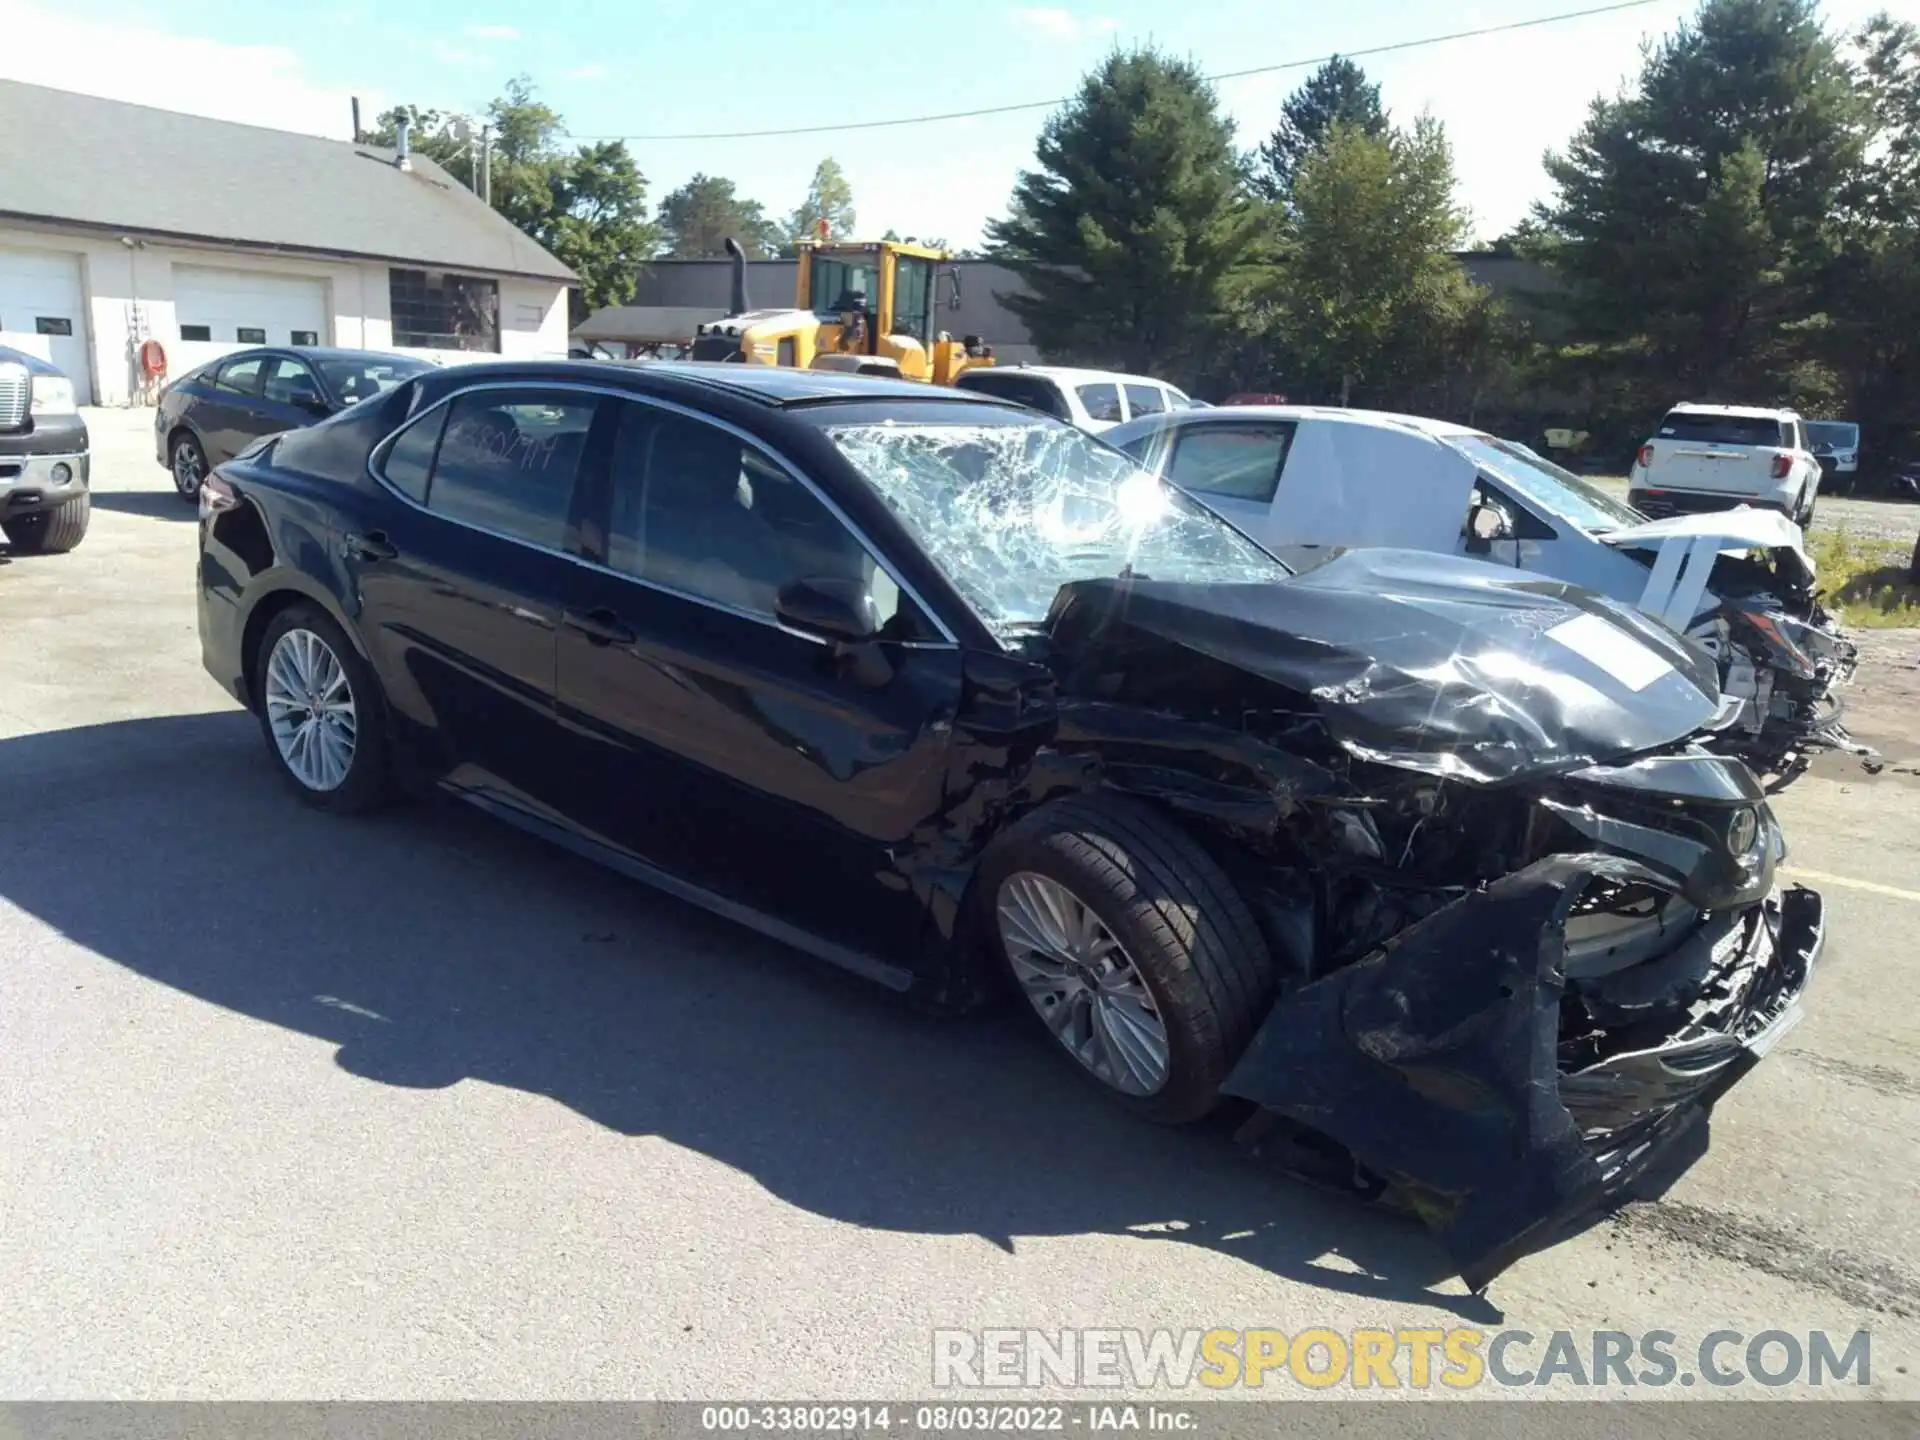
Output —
(1522, 942)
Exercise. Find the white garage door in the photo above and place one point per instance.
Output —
(42, 313)
(246, 307)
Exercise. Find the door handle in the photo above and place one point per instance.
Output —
(600, 625)
(373, 545)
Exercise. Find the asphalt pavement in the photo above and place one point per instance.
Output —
(414, 1107)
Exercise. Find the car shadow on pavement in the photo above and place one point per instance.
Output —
(432, 945)
(152, 504)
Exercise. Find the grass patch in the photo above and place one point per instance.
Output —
(1867, 583)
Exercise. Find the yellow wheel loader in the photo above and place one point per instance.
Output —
(862, 307)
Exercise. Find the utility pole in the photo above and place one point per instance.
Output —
(486, 163)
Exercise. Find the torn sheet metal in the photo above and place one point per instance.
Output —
(1440, 1062)
(1429, 663)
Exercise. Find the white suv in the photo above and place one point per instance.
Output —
(1715, 457)
(1092, 400)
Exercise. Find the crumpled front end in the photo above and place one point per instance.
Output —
(1786, 667)
(1510, 1063)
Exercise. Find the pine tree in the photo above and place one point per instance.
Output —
(829, 198)
(1338, 93)
(1133, 237)
(1694, 214)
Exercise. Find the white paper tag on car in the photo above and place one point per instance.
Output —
(1612, 649)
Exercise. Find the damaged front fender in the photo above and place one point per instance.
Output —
(1437, 1062)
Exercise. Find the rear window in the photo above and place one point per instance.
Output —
(1033, 391)
(1723, 429)
(1102, 402)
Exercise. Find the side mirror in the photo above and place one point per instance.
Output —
(310, 401)
(829, 606)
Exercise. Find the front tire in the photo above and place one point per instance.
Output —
(1132, 946)
(52, 532)
(188, 463)
(321, 711)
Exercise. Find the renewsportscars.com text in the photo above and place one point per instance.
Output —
(1455, 1359)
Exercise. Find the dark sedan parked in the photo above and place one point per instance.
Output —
(211, 414)
(1416, 855)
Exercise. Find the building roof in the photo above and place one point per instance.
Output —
(647, 324)
(106, 164)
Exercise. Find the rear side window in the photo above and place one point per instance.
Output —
(1145, 400)
(507, 460)
(1233, 462)
(1725, 430)
(410, 458)
(1102, 402)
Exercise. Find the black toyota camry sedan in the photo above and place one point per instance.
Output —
(1416, 863)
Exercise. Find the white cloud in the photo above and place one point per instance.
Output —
(256, 84)
(591, 71)
(1058, 24)
(491, 32)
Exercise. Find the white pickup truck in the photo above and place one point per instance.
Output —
(1715, 457)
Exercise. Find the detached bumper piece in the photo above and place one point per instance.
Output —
(1501, 1101)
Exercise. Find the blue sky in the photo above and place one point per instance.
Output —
(653, 67)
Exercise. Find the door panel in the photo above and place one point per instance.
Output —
(774, 768)
(224, 416)
(461, 616)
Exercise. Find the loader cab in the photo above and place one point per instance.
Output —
(889, 286)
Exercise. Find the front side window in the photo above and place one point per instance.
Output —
(287, 380)
(1145, 400)
(507, 461)
(242, 377)
(1011, 507)
(1102, 402)
(438, 310)
(1233, 462)
(698, 510)
(913, 299)
(845, 282)
(1552, 488)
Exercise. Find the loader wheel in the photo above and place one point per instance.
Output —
(1132, 946)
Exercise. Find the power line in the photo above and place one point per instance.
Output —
(1223, 75)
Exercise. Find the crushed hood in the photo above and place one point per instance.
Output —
(1430, 663)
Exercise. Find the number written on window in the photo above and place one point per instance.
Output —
(506, 463)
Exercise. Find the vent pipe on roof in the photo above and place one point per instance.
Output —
(357, 131)
(404, 159)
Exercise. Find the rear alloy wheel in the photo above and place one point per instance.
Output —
(1132, 946)
(189, 466)
(52, 532)
(320, 710)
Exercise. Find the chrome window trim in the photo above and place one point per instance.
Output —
(377, 457)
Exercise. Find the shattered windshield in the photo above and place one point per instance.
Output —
(1550, 486)
(1012, 507)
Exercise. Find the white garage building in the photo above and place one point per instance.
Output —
(121, 225)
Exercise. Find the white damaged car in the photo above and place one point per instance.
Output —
(1306, 479)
